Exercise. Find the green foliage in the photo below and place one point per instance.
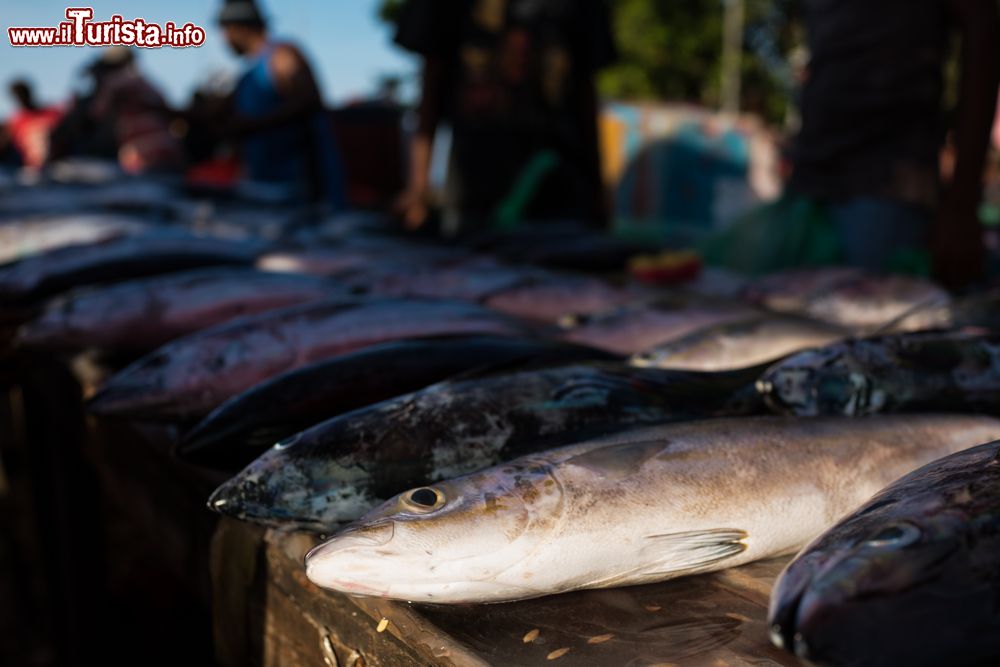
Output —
(667, 50)
(673, 51)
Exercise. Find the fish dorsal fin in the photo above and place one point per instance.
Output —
(670, 555)
(619, 461)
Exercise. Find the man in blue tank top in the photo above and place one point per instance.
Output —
(285, 136)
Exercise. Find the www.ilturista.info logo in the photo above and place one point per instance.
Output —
(81, 30)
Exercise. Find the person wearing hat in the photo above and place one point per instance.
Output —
(277, 115)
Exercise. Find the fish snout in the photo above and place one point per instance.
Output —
(350, 558)
(786, 599)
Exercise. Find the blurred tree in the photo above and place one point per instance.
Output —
(673, 51)
(389, 10)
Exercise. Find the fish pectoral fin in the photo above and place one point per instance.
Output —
(677, 553)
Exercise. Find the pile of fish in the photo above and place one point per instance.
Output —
(467, 427)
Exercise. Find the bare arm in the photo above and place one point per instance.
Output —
(412, 204)
(294, 81)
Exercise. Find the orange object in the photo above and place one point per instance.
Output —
(666, 268)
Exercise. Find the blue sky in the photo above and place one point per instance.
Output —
(348, 47)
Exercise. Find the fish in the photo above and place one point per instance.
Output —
(635, 328)
(549, 297)
(358, 256)
(246, 425)
(868, 303)
(526, 292)
(147, 313)
(336, 470)
(113, 260)
(934, 370)
(909, 578)
(740, 344)
(792, 290)
(640, 506)
(35, 235)
(472, 282)
(191, 376)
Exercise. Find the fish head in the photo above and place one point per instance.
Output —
(654, 358)
(454, 539)
(819, 382)
(63, 318)
(894, 582)
(291, 485)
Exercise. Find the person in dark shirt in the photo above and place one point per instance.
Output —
(515, 81)
(873, 127)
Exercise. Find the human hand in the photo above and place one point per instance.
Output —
(411, 207)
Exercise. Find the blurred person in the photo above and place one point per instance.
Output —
(277, 114)
(515, 81)
(79, 132)
(872, 127)
(9, 157)
(29, 127)
(140, 114)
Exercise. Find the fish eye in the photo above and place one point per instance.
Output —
(424, 499)
(896, 535)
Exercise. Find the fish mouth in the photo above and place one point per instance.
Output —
(330, 564)
(800, 601)
(376, 534)
(821, 610)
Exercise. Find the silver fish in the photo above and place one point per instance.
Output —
(637, 507)
(635, 328)
(26, 237)
(849, 298)
(144, 314)
(114, 260)
(192, 376)
(740, 344)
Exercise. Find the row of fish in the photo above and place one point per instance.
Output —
(494, 432)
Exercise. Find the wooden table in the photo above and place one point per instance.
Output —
(712, 621)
